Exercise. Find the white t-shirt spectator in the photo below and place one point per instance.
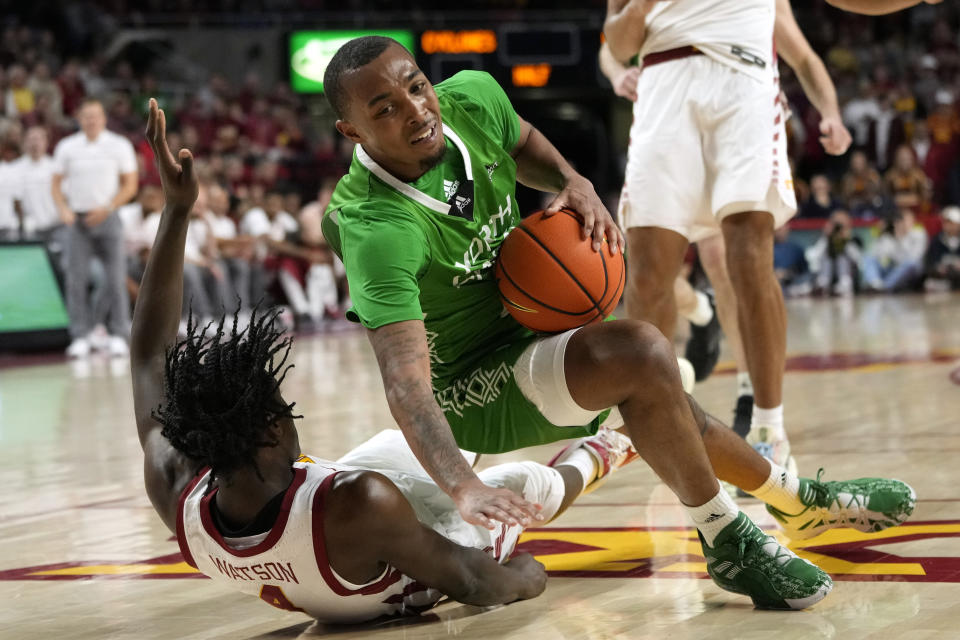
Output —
(39, 210)
(131, 216)
(9, 191)
(256, 223)
(92, 169)
(197, 231)
(890, 249)
(197, 234)
(223, 227)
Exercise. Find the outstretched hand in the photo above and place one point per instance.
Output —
(179, 182)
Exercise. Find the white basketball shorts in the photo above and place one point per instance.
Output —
(706, 142)
(388, 453)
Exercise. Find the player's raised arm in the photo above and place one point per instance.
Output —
(811, 71)
(877, 7)
(157, 316)
(403, 356)
(372, 514)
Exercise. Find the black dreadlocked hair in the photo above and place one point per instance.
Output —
(222, 394)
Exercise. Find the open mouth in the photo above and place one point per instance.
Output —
(427, 135)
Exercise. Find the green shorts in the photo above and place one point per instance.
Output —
(488, 412)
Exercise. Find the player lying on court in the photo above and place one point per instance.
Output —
(419, 221)
(366, 536)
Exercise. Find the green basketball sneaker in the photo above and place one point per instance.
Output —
(745, 560)
(866, 504)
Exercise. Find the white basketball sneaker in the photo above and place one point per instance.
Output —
(772, 444)
(611, 449)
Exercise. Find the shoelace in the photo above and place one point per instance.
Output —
(768, 545)
(824, 496)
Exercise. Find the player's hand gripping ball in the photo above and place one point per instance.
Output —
(551, 279)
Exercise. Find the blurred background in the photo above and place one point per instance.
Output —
(240, 81)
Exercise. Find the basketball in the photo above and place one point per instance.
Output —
(550, 278)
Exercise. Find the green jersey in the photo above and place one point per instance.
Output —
(408, 256)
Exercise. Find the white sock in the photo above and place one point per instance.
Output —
(703, 312)
(712, 517)
(584, 462)
(744, 384)
(769, 418)
(780, 491)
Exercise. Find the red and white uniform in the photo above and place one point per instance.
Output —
(287, 566)
(708, 137)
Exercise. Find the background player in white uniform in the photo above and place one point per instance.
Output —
(334, 540)
(708, 156)
(794, 48)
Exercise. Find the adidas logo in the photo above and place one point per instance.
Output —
(462, 203)
(713, 517)
(490, 169)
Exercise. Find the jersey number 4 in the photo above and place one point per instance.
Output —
(275, 597)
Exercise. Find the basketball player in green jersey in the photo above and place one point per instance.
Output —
(418, 221)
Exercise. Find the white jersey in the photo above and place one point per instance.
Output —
(287, 567)
(738, 34)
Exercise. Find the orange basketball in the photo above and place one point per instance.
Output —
(551, 279)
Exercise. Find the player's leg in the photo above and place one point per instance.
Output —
(761, 314)
(631, 365)
(751, 194)
(654, 258)
(713, 257)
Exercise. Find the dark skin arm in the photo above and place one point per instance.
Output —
(365, 511)
(540, 166)
(155, 321)
(404, 360)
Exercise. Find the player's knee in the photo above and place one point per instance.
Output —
(642, 350)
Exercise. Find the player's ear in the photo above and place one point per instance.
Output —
(348, 131)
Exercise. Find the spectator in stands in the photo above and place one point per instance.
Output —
(860, 112)
(790, 264)
(944, 125)
(861, 186)
(821, 202)
(95, 173)
(10, 194)
(41, 220)
(43, 85)
(837, 253)
(133, 216)
(906, 183)
(887, 132)
(236, 252)
(942, 260)
(895, 261)
(19, 99)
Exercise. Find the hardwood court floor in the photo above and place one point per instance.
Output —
(82, 555)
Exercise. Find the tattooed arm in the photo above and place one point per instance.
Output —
(404, 361)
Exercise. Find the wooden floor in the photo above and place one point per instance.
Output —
(868, 392)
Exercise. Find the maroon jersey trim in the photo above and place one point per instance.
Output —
(181, 534)
(390, 575)
(299, 476)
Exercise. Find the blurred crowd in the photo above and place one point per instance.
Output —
(266, 177)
